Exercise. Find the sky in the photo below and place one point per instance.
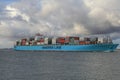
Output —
(24, 18)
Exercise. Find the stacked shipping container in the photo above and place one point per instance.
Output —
(69, 40)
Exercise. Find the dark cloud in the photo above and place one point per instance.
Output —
(60, 17)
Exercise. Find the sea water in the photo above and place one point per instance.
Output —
(49, 65)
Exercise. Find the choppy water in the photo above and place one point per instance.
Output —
(20, 65)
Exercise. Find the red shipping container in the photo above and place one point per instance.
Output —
(24, 40)
(23, 43)
(87, 42)
(41, 40)
(76, 38)
(60, 41)
(66, 41)
(82, 42)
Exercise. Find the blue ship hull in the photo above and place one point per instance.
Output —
(91, 47)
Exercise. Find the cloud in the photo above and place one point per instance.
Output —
(59, 17)
(79, 29)
(15, 13)
(4, 30)
(48, 6)
(102, 12)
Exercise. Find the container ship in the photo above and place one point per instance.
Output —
(68, 43)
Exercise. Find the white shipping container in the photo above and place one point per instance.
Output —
(109, 40)
(36, 38)
(81, 38)
(54, 40)
(105, 40)
(27, 43)
(38, 43)
(46, 41)
(100, 39)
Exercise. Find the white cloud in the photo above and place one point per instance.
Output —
(114, 19)
(5, 30)
(107, 10)
(48, 6)
(80, 29)
(98, 13)
(13, 12)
